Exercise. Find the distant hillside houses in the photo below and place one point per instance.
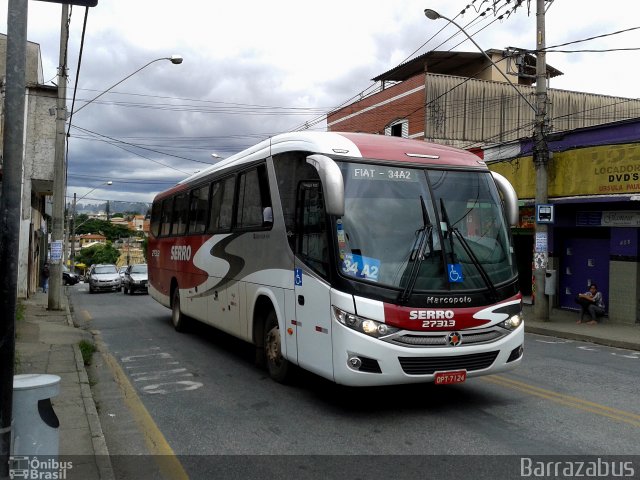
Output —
(136, 223)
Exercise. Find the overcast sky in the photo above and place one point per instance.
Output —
(254, 68)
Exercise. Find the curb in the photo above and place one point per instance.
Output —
(101, 452)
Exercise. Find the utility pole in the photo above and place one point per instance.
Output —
(72, 254)
(10, 202)
(59, 180)
(541, 161)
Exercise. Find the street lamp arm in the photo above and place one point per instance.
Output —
(94, 188)
(433, 15)
(175, 59)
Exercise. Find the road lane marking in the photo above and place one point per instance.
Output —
(554, 341)
(161, 375)
(158, 446)
(131, 367)
(633, 355)
(589, 349)
(135, 358)
(153, 365)
(171, 387)
(567, 400)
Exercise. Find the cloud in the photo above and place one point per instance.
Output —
(253, 69)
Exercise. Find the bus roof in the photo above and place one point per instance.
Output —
(349, 145)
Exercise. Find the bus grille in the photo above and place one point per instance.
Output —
(430, 365)
(439, 339)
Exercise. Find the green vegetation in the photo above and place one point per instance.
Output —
(87, 349)
(85, 225)
(98, 254)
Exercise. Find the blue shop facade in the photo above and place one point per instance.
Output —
(594, 187)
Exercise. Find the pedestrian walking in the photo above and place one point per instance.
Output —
(45, 277)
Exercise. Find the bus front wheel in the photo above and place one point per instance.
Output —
(178, 319)
(279, 368)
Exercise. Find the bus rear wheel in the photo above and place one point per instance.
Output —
(178, 319)
(278, 366)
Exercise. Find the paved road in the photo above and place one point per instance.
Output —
(205, 396)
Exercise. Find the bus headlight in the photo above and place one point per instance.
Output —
(363, 325)
(513, 322)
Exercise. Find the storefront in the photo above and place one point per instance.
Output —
(594, 185)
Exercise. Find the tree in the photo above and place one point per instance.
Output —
(93, 225)
(98, 254)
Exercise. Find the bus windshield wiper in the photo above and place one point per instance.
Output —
(468, 250)
(423, 236)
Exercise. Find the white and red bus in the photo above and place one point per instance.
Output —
(366, 259)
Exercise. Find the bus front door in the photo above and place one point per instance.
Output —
(313, 319)
(312, 292)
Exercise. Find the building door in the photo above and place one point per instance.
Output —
(583, 261)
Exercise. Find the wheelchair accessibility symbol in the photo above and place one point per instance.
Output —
(455, 272)
(298, 276)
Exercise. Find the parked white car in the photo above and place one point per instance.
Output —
(104, 277)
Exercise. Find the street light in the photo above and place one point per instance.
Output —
(59, 182)
(72, 256)
(540, 151)
(175, 59)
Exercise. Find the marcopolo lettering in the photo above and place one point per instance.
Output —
(181, 253)
(448, 300)
(430, 314)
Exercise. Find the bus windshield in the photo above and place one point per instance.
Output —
(423, 230)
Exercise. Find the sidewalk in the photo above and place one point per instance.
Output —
(562, 323)
(47, 342)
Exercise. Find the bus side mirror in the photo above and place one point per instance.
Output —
(332, 183)
(509, 196)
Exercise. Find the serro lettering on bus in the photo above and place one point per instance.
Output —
(181, 253)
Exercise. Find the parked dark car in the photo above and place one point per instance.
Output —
(104, 277)
(135, 279)
(68, 277)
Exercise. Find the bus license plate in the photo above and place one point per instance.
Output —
(445, 378)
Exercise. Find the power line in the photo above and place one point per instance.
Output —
(592, 38)
(128, 180)
(138, 146)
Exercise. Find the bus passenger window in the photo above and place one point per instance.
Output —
(198, 209)
(165, 219)
(249, 201)
(221, 205)
(180, 214)
(156, 212)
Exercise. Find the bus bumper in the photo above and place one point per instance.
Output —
(384, 363)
